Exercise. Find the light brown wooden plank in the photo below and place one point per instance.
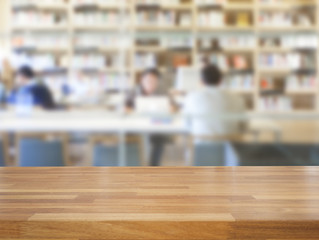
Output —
(160, 203)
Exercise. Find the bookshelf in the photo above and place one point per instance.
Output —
(267, 49)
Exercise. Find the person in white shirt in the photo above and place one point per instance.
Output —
(212, 111)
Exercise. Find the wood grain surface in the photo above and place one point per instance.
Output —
(266, 203)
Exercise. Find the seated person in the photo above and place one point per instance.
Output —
(149, 86)
(25, 83)
(207, 107)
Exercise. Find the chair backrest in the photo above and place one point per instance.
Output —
(105, 151)
(39, 153)
(215, 151)
(109, 156)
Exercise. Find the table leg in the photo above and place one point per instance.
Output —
(122, 149)
(146, 148)
(188, 150)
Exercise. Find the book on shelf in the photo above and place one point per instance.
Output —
(180, 61)
(275, 103)
(239, 82)
(210, 2)
(301, 83)
(289, 61)
(239, 62)
(242, 19)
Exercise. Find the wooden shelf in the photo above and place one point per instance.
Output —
(42, 6)
(301, 92)
(101, 7)
(253, 8)
(182, 7)
(95, 28)
(241, 91)
(39, 28)
(162, 28)
(287, 6)
(225, 29)
(286, 29)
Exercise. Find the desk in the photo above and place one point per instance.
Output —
(108, 122)
(160, 203)
(92, 121)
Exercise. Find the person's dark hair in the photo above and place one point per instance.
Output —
(26, 72)
(211, 75)
(152, 71)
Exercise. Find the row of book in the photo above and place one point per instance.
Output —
(240, 82)
(177, 41)
(48, 40)
(210, 2)
(90, 61)
(91, 40)
(81, 87)
(238, 62)
(291, 41)
(217, 18)
(100, 18)
(159, 2)
(97, 61)
(145, 60)
(228, 41)
(278, 2)
(275, 103)
(102, 2)
(291, 83)
(47, 62)
(19, 3)
(100, 40)
(284, 19)
(39, 62)
(151, 60)
(163, 18)
(289, 61)
(300, 83)
(35, 18)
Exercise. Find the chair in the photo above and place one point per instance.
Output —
(39, 151)
(105, 151)
(214, 152)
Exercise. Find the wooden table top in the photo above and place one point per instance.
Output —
(160, 203)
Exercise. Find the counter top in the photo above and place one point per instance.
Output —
(160, 203)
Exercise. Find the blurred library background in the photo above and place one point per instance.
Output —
(94, 56)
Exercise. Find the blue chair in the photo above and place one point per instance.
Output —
(108, 154)
(38, 153)
(277, 155)
(215, 154)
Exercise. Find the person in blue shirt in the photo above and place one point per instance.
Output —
(26, 83)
